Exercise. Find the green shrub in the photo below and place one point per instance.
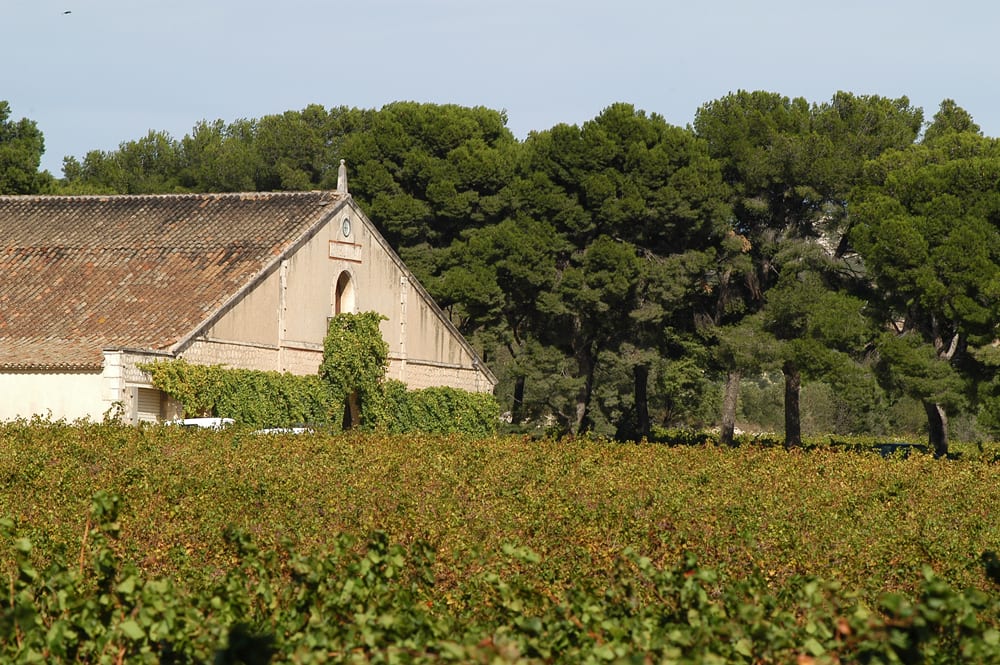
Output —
(351, 378)
(441, 410)
(377, 601)
(252, 398)
(355, 359)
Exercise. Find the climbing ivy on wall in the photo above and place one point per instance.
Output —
(350, 388)
(355, 360)
(438, 410)
(250, 397)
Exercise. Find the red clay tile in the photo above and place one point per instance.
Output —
(82, 273)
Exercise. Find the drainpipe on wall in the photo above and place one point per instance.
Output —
(404, 288)
(282, 310)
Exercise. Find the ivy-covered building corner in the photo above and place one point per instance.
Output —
(95, 286)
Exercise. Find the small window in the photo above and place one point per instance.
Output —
(343, 301)
(147, 402)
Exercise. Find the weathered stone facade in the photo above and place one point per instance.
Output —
(238, 355)
(284, 263)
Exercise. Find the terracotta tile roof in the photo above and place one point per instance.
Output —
(82, 273)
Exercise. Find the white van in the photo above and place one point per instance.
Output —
(204, 423)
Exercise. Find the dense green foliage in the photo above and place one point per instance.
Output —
(21, 148)
(439, 410)
(377, 605)
(626, 274)
(791, 166)
(355, 359)
(250, 397)
(927, 226)
(203, 545)
(350, 390)
(431, 174)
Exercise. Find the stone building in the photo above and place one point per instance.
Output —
(91, 286)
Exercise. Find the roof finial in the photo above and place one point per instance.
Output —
(342, 178)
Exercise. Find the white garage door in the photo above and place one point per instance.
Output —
(148, 405)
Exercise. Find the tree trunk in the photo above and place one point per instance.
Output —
(793, 423)
(937, 428)
(352, 411)
(729, 401)
(640, 373)
(585, 370)
(517, 408)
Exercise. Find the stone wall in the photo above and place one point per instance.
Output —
(237, 355)
(301, 359)
(417, 374)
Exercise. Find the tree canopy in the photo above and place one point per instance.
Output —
(926, 225)
(627, 274)
(21, 149)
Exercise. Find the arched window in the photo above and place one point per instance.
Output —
(343, 301)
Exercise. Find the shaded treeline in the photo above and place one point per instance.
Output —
(628, 274)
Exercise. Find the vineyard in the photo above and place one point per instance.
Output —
(160, 544)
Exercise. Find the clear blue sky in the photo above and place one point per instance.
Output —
(111, 70)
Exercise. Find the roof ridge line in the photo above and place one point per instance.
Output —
(244, 194)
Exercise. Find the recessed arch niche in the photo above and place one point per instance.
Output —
(344, 296)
